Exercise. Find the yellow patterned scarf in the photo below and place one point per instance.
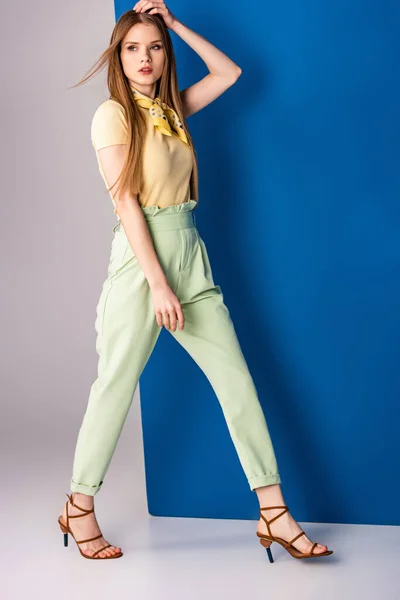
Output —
(163, 116)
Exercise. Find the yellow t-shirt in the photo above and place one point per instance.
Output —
(167, 160)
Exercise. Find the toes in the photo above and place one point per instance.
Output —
(108, 552)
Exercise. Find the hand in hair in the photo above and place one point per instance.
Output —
(157, 7)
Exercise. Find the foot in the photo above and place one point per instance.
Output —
(287, 528)
(86, 528)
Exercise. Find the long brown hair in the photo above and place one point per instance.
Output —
(167, 89)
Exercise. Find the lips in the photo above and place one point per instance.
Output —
(145, 70)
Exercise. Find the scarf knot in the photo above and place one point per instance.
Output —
(163, 116)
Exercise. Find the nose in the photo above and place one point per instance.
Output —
(146, 56)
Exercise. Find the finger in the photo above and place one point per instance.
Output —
(172, 319)
(158, 10)
(159, 318)
(166, 319)
(139, 5)
(153, 4)
(145, 6)
(181, 317)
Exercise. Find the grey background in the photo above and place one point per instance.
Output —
(56, 230)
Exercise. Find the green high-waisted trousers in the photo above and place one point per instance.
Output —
(127, 331)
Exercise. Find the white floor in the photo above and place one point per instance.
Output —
(167, 558)
(180, 559)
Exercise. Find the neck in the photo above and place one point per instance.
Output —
(146, 90)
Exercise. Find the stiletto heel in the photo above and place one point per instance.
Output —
(267, 545)
(66, 530)
(266, 540)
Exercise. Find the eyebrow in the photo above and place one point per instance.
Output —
(138, 42)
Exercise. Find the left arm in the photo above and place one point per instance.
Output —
(223, 71)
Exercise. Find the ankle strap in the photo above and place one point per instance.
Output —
(86, 511)
(268, 523)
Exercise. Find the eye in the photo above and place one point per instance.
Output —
(154, 46)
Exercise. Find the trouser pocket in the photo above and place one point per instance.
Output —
(189, 245)
(121, 254)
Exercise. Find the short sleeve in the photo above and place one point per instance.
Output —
(108, 125)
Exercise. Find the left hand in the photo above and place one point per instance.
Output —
(159, 7)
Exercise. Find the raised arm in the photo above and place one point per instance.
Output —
(223, 71)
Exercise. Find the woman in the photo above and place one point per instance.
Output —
(159, 272)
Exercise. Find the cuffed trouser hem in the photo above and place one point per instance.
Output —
(89, 490)
(256, 482)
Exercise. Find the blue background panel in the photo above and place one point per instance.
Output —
(299, 209)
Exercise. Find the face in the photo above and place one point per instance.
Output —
(142, 47)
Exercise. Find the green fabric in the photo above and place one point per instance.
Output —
(127, 332)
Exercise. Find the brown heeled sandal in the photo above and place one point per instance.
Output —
(65, 529)
(266, 540)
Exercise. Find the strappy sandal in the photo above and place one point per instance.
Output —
(266, 540)
(65, 529)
